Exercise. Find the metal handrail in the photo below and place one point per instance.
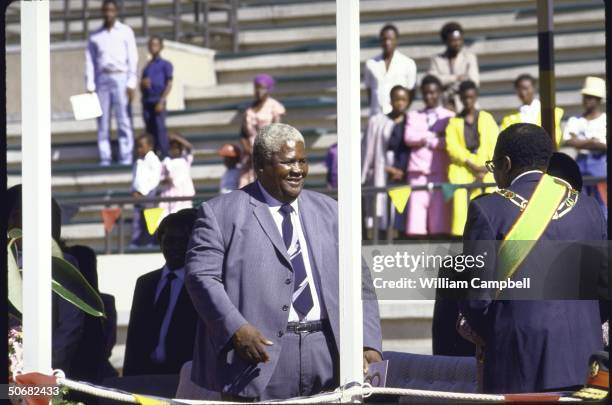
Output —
(367, 192)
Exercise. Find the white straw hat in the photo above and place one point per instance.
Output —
(594, 86)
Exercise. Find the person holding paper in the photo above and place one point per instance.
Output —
(111, 61)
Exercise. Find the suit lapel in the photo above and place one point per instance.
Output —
(262, 213)
(310, 222)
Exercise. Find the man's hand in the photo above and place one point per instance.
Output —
(159, 107)
(250, 344)
(145, 83)
(130, 94)
(370, 356)
(136, 194)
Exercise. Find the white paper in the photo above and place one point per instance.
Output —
(85, 106)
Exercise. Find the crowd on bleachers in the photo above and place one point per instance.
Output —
(451, 138)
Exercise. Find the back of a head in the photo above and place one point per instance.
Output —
(566, 168)
(270, 140)
(184, 219)
(14, 202)
(528, 146)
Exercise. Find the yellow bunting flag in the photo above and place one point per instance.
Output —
(399, 197)
(144, 400)
(153, 217)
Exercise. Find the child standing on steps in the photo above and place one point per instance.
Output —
(176, 175)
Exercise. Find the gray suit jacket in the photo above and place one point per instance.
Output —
(238, 272)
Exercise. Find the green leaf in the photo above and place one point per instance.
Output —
(15, 233)
(56, 250)
(69, 283)
(15, 285)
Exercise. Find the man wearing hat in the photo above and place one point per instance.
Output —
(587, 134)
(230, 179)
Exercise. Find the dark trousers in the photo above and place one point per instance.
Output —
(155, 124)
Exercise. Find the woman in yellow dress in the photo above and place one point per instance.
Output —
(470, 142)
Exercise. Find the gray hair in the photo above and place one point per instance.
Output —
(270, 140)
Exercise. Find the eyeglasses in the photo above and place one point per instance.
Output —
(490, 165)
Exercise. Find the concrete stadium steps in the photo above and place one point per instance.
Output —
(495, 52)
(422, 29)
(569, 76)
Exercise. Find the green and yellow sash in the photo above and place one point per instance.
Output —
(531, 224)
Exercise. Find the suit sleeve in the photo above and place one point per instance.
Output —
(67, 332)
(372, 335)
(133, 356)
(478, 239)
(204, 280)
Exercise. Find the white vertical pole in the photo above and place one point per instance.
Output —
(349, 191)
(36, 178)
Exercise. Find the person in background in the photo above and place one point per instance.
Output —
(389, 69)
(386, 155)
(155, 85)
(146, 176)
(92, 360)
(454, 65)
(176, 178)
(428, 213)
(263, 111)
(566, 168)
(587, 134)
(231, 157)
(163, 320)
(67, 320)
(530, 110)
(470, 142)
(111, 60)
(331, 163)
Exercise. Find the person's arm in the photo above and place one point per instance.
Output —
(372, 335)
(473, 72)
(134, 358)
(204, 280)
(279, 111)
(132, 62)
(367, 81)
(184, 142)
(434, 69)
(589, 144)
(90, 70)
(67, 332)
(161, 106)
(416, 133)
(456, 151)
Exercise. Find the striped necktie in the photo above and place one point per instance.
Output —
(302, 298)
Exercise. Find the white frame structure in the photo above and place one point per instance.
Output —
(36, 180)
(348, 102)
(36, 169)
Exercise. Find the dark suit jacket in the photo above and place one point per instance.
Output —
(238, 272)
(142, 339)
(534, 345)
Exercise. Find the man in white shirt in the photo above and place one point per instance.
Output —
(386, 71)
(587, 134)
(111, 61)
(146, 175)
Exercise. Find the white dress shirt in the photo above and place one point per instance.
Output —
(274, 205)
(586, 129)
(402, 71)
(530, 113)
(159, 353)
(111, 51)
(146, 173)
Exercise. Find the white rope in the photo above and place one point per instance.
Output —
(335, 396)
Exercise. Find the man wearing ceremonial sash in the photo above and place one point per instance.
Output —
(531, 345)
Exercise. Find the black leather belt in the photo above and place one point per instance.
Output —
(307, 327)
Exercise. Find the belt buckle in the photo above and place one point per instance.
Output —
(301, 327)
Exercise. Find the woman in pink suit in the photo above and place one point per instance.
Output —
(427, 212)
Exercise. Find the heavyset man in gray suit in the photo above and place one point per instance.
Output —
(262, 272)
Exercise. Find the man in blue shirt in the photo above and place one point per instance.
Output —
(155, 85)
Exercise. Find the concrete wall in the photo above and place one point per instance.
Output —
(193, 66)
(406, 325)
